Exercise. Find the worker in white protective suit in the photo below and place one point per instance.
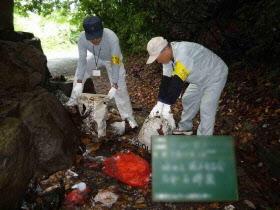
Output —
(206, 74)
(103, 43)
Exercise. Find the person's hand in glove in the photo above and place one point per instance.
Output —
(112, 92)
(78, 89)
(166, 114)
(157, 110)
(76, 92)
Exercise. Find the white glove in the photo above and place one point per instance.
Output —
(166, 110)
(157, 110)
(166, 114)
(77, 90)
(112, 92)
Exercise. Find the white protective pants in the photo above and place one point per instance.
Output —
(204, 98)
(121, 98)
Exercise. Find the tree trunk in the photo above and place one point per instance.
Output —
(6, 15)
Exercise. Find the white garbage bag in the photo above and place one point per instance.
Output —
(94, 111)
(154, 126)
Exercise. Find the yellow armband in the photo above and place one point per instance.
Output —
(116, 60)
(181, 71)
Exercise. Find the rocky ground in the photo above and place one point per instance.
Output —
(249, 111)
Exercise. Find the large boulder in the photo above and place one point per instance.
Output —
(20, 36)
(53, 133)
(37, 135)
(17, 159)
(22, 67)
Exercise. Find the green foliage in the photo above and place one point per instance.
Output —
(128, 19)
(242, 30)
(54, 31)
(259, 21)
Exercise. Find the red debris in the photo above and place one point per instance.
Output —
(128, 168)
(76, 197)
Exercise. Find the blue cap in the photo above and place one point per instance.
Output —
(93, 27)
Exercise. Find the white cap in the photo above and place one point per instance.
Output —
(154, 47)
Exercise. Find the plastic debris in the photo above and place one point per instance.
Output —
(91, 165)
(250, 204)
(93, 108)
(80, 186)
(78, 196)
(118, 127)
(229, 207)
(69, 173)
(24, 206)
(106, 197)
(153, 127)
(136, 142)
(49, 189)
(98, 159)
(128, 168)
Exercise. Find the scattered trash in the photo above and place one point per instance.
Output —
(260, 164)
(229, 207)
(91, 164)
(61, 96)
(250, 204)
(152, 127)
(265, 125)
(49, 189)
(39, 189)
(93, 108)
(275, 180)
(80, 186)
(69, 173)
(91, 148)
(136, 142)
(128, 168)
(98, 159)
(140, 203)
(118, 127)
(24, 206)
(78, 196)
(106, 197)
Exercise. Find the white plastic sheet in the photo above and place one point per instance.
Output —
(94, 109)
(153, 126)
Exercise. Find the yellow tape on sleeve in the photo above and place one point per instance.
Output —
(116, 59)
(181, 71)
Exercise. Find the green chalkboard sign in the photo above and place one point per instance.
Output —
(193, 168)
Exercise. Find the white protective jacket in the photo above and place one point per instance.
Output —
(107, 54)
(108, 50)
(206, 74)
(194, 63)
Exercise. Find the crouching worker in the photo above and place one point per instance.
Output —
(103, 43)
(206, 74)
